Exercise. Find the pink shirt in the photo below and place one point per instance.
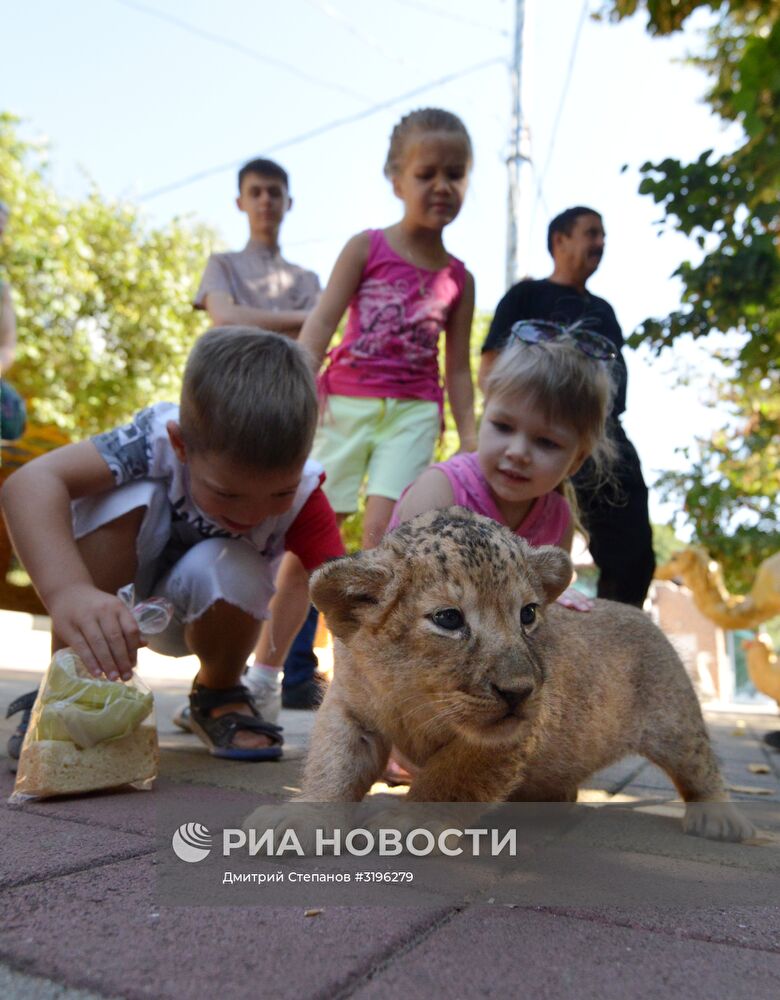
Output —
(391, 342)
(546, 523)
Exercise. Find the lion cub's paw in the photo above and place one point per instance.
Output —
(405, 818)
(717, 821)
(303, 818)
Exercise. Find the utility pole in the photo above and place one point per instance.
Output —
(518, 152)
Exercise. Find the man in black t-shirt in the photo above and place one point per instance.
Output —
(615, 514)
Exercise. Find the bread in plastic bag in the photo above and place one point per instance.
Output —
(88, 733)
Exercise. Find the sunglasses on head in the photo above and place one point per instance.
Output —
(543, 331)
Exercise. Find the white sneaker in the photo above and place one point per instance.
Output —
(265, 687)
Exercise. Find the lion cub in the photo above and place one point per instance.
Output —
(448, 647)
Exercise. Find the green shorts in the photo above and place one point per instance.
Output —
(389, 440)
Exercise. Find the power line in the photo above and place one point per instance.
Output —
(539, 190)
(352, 28)
(539, 178)
(518, 147)
(448, 15)
(321, 129)
(239, 47)
(539, 198)
(565, 91)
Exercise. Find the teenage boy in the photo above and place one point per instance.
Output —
(256, 286)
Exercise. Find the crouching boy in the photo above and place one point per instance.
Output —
(196, 503)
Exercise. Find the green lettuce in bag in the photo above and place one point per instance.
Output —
(89, 733)
(85, 710)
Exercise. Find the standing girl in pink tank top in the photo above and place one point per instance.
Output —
(546, 404)
(382, 390)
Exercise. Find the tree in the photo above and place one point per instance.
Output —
(103, 302)
(729, 205)
(665, 543)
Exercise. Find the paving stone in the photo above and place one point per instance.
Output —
(185, 759)
(112, 937)
(497, 953)
(630, 882)
(742, 784)
(686, 922)
(142, 812)
(613, 778)
(279, 779)
(772, 759)
(756, 927)
(18, 986)
(654, 827)
(741, 754)
(38, 847)
(651, 777)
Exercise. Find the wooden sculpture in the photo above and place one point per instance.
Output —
(763, 666)
(703, 578)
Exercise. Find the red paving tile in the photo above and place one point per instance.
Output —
(102, 930)
(80, 906)
(518, 954)
(37, 847)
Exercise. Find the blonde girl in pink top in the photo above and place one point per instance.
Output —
(381, 385)
(546, 406)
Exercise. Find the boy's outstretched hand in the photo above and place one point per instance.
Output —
(99, 628)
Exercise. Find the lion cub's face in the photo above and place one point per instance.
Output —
(444, 623)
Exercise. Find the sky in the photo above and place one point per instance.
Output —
(140, 97)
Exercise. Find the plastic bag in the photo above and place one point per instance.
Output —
(88, 733)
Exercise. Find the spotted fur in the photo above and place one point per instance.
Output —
(522, 700)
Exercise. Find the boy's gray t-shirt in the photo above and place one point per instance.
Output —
(258, 277)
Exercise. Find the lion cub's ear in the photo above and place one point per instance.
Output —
(553, 567)
(345, 588)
